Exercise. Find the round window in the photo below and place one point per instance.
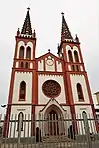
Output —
(51, 88)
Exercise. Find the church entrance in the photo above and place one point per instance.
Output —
(53, 123)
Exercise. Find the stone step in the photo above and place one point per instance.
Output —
(56, 139)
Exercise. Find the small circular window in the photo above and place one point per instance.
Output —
(51, 88)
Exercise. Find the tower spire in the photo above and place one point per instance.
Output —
(26, 29)
(65, 33)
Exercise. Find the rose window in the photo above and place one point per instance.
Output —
(51, 88)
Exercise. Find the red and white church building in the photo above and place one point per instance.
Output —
(48, 84)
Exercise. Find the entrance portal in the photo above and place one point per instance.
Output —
(53, 123)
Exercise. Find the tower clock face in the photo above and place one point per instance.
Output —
(49, 62)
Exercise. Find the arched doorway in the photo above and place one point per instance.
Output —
(53, 123)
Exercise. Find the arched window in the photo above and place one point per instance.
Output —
(84, 114)
(22, 92)
(73, 67)
(21, 52)
(80, 92)
(26, 65)
(76, 56)
(28, 53)
(22, 65)
(20, 121)
(70, 56)
(77, 68)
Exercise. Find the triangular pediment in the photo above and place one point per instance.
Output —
(52, 103)
(49, 54)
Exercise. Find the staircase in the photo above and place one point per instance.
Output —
(56, 139)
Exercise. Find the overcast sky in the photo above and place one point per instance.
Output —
(82, 17)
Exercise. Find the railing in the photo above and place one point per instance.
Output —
(51, 131)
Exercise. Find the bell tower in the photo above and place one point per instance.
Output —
(21, 96)
(78, 89)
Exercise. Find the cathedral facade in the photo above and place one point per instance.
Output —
(48, 84)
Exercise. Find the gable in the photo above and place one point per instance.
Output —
(49, 62)
(50, 104)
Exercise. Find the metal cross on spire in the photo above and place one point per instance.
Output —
(62, 13)
(28, 8)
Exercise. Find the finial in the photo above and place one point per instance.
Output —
(48, 50)
(28, 8)
(58, 47)
(34, 34)
(76, 38)
(62, 13)
(18, 32)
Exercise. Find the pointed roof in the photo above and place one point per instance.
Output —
(26, 29)
(53, 103)
(65, 33)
